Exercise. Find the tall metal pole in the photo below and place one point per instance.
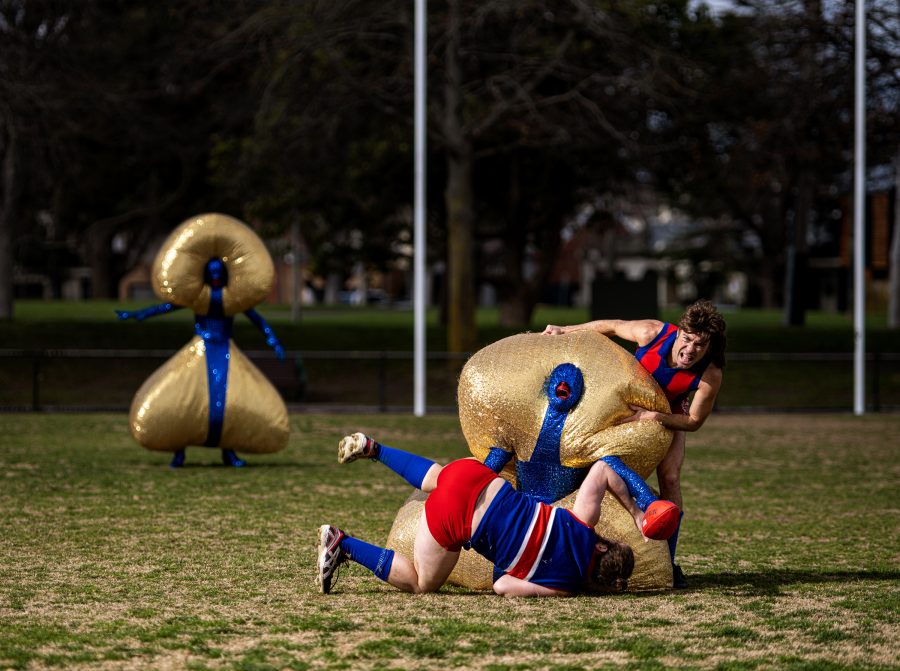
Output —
(419, 216)
(859, 217)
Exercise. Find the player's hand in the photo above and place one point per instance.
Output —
(640, 414)
(553, 330)
(639, 523)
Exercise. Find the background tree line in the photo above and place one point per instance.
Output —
(121, 118)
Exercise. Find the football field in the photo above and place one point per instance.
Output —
(110, 560)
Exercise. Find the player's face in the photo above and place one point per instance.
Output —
(689, 348)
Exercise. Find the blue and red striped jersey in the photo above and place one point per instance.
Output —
(676, 383)
(536, 542)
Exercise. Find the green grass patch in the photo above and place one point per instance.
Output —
(93, 324)
(111, 560)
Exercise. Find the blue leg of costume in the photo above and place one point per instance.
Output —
(678, 579)
(377, 559)
(215, 330)
(229, 458)
(643, 497)
(177, 459)
(638, 490)
(673, 539)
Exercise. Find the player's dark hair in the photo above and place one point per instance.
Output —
(612, 568)
(703, 318)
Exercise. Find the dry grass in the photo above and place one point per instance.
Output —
(109, 560)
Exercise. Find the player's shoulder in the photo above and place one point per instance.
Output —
(645, 330)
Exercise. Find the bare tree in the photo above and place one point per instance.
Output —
(8, 195)
(894, 281)
(458, 194)
(30, 36)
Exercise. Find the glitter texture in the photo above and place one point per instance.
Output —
(505, 393)
(502, 400)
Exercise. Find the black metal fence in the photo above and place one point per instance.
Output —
(382, 381)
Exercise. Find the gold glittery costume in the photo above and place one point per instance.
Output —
(502, 402)
(177, 273)
(171, 409)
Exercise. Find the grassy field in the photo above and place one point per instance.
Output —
(93, 324)
(329, 340)
(109, 560)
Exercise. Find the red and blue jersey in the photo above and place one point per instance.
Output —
(536, 542)
(676, 383)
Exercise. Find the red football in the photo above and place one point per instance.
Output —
(660, 520)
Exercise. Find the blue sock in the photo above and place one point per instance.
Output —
(673, 539)
(378, 560)
(638, 489)
(411, 467)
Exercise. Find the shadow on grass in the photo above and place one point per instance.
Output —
(250, 465)
(768, 583)
(771, 582)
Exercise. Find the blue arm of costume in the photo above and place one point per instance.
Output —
(638, 489)
(497, 458)
(271, 339)
(141, 315)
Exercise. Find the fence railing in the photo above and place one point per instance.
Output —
(382, 381)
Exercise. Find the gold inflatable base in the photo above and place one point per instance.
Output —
(171, 408)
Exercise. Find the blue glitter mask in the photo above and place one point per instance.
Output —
(543, 476)
(216, 273)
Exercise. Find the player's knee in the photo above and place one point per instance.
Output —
(425, 588)
(668, 477)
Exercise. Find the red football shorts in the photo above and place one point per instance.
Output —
(449, 508)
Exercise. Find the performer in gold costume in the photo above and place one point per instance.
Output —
(210, 394)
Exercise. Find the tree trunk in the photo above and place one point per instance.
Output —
(515, 312)
(512, 294)
(767, 281)
(99, 241)
(771, 276)
(894, 286)
(461, 330)
(797, 255)
(296, 269)
(459, 197)
(8, 194)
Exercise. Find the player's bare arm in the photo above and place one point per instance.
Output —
(640, 331)
(619, 489)
(510, 586)
(589, 500)
(701, 406)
